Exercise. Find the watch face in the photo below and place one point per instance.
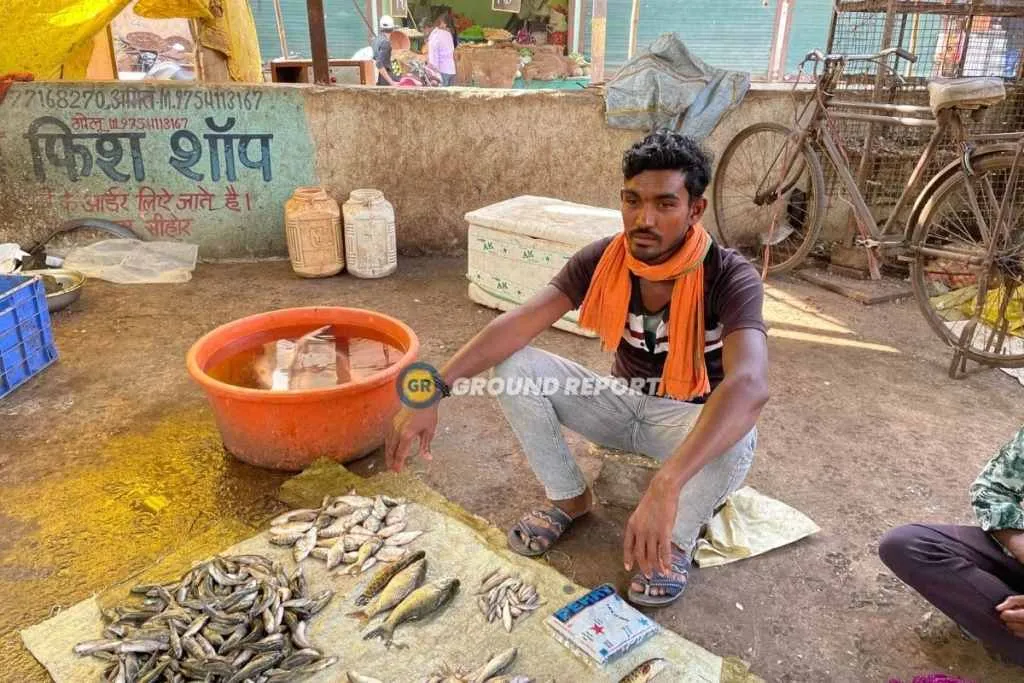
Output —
(418, 386)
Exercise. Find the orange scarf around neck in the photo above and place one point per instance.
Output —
(606, 307)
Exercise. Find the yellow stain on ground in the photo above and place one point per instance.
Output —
(139, 498)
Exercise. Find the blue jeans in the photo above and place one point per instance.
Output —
(625, 420)
(447, 80)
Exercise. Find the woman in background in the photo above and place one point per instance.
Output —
(441, 51)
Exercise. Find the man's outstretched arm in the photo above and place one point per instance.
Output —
(729, 414)
(498, 340)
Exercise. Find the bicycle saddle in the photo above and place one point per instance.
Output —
(965, 93)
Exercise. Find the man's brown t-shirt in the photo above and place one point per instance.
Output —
(733, 296)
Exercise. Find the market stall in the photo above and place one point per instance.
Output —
(499, 43)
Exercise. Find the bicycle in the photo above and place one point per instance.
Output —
(964, 236)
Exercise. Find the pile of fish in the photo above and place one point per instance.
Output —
(350, 529)
(490, 672)
(399, 590)
(507, 597)
(228, 620)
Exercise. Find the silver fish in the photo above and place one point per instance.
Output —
(304, 545)
(371, 524)
(380, 510)
(403, 538)
(494, 666)
(390, 554)
(336, 528)
(291, 528)
(395, 515)
(355, 541)
(391, 530)
(355, 501)
(354, 677)
(294, 516)
(227, 619)
(335, 554)
(646, 671)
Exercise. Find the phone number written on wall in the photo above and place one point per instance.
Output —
(134, 99)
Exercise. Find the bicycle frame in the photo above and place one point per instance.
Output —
(812, 128)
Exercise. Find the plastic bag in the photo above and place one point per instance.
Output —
(132, 262)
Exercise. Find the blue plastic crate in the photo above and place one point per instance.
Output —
(26, 338)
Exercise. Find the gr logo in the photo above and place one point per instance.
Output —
(416, 387)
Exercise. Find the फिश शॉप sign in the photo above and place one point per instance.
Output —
(212, 166)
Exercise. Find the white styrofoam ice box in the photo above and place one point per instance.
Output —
(518, 245)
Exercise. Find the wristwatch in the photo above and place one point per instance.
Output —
(440, 385)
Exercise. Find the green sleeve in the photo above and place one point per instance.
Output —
(998, 491)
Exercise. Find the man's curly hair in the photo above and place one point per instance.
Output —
(664, 150)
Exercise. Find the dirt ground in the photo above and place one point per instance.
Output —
(864, 431)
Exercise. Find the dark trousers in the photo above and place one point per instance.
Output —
(963, 572)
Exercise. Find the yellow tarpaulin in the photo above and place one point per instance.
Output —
(224, 25)
(52, 39)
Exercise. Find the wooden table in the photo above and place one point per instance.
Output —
(299, 70)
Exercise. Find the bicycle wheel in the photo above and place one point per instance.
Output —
(769, 213)
(967, 269)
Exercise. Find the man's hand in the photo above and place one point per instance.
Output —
(649, 530)
(1011, 611)
(409, 426)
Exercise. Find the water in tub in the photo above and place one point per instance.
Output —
(320, 358)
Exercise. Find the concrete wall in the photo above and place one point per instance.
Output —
(436, 154)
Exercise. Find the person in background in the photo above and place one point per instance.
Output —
(441, 51)
(382, 52)
(974, 574)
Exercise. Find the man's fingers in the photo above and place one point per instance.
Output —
(627, 548)
(401, 452)
(1012, 602)
(665, 554)
(1012, 616)
(647, 555)
(425, 440)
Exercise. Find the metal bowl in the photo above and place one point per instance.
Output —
(72, 280)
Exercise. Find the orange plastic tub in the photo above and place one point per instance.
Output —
(288, 430)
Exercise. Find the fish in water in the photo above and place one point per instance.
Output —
(646, 671)
(408, 580)
(384, 576)
(422, 602)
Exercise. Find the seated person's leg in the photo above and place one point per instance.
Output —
(964, 573)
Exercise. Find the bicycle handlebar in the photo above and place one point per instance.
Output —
(819, 56)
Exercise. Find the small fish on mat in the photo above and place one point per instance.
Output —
(646, 671)
(506, 597)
